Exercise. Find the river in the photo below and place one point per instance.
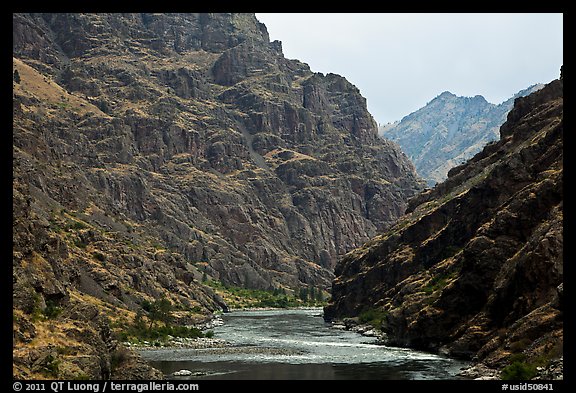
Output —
(298, 344)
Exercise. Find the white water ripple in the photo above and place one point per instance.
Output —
(273, 338)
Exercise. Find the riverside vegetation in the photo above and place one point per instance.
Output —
(238, 297)
(159, 326)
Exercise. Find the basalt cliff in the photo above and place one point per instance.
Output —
(151, 151)
(475, 268)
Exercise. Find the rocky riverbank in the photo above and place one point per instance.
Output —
(179, 342)
(476, 371)
(554, 371)
(364, 329)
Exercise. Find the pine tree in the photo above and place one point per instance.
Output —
(303, 294)
(312, 293)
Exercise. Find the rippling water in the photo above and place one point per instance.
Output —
(297, 344)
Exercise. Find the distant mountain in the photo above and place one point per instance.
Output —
(449, 130)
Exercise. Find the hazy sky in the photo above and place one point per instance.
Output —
(402, 61)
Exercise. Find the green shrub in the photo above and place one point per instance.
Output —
(80, 244)
(146, 305)
(77, 225)
(50, 366)
(81, 377)
(123, 336)
(438, 282)
(35, 309)
(52, 310)
(372, 316)
(518, 370)
(99, 256)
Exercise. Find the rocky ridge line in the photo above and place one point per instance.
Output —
(449, 130)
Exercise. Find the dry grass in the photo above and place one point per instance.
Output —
(115, 314)
(49, 93)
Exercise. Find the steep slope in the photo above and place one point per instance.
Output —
(151, 150)
(449, 130)
(475, 268)
(228, 152)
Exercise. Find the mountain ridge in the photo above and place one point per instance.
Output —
(449, 130)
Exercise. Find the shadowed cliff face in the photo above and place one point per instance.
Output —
(474, 269)
(151, 150)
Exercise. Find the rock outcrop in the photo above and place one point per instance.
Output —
(449, 130)
(153, 150)
(475, 268)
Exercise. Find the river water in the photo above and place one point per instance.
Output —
(298, 344)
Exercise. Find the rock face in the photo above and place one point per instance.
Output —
(475, 268)
(449, 130)
(151, 150)
(197, 128)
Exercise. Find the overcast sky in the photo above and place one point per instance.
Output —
(402, 61)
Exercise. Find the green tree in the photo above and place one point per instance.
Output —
(138, 322)
(160, 311)
(146, 305)
(303, 294)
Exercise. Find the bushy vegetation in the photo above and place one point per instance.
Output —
(519, 369)
(120, 356)
(50, 366)
(141, 332)
(158, 326)
(372, 316)
(39, 313)
(52, 309)
(439, 282)
(523, 368)
(237, 297)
